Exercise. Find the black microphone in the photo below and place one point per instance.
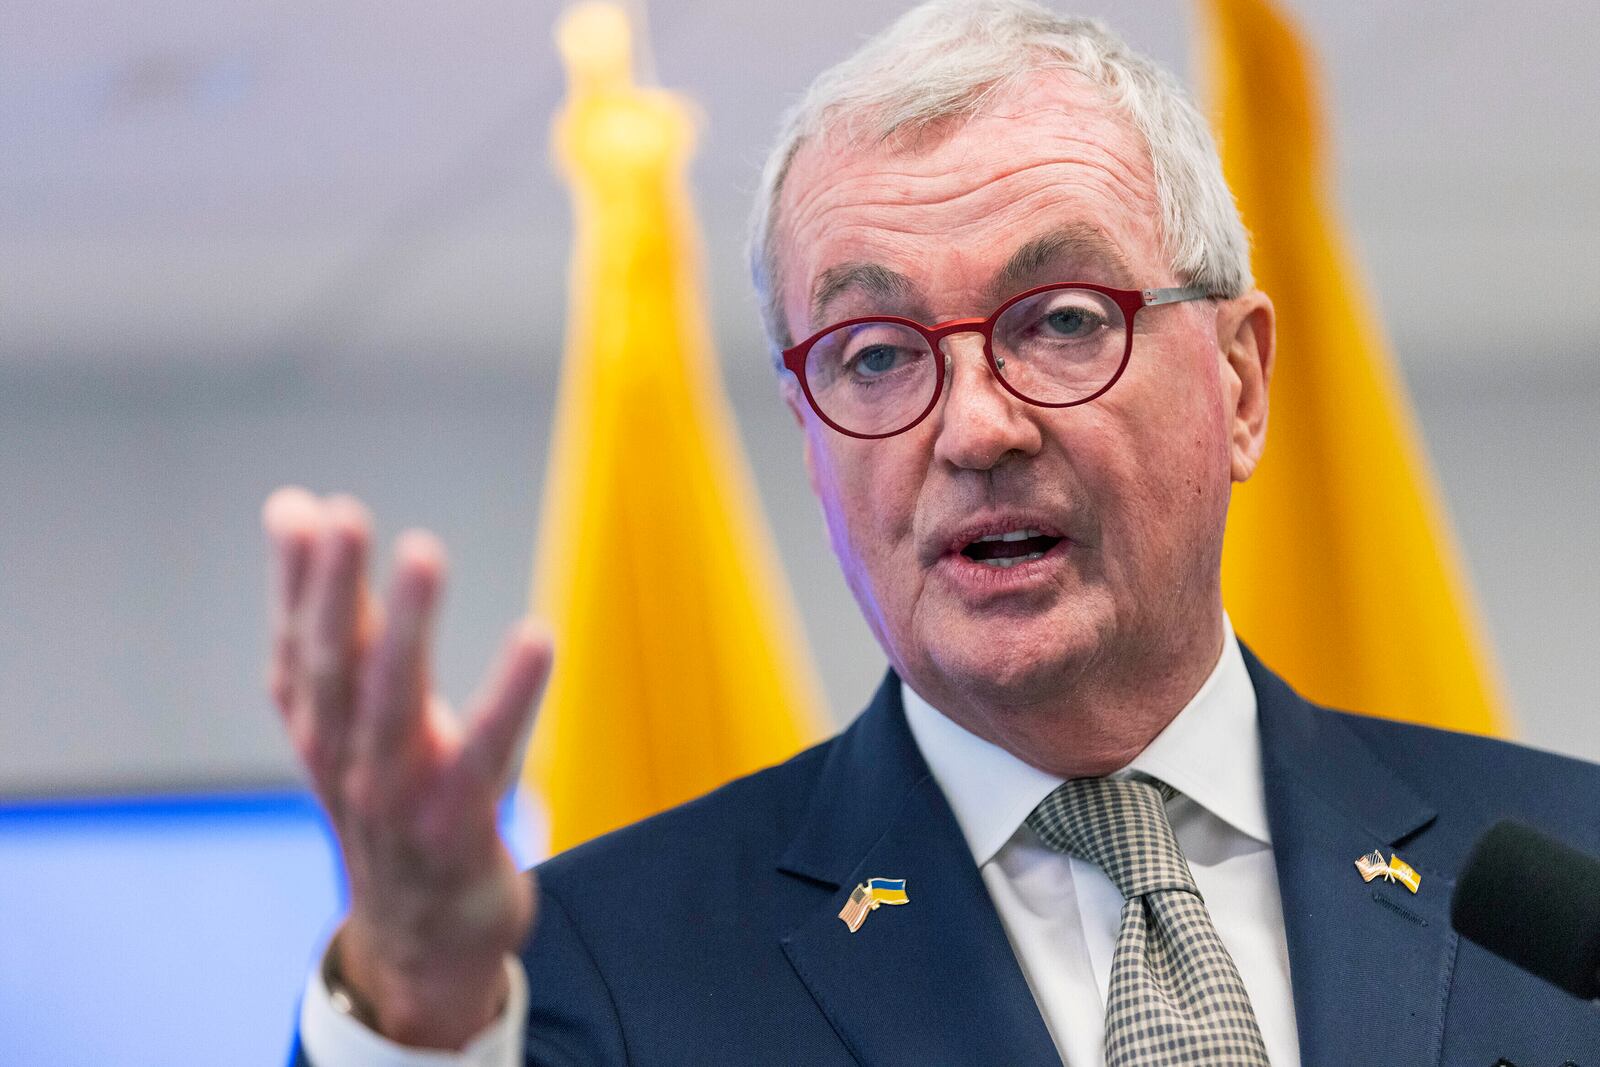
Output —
(1534, 901)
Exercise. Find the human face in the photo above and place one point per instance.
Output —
(1047, 184)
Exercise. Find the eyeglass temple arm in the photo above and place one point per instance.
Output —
(1152, 297)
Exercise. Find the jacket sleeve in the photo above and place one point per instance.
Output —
(573, 1019)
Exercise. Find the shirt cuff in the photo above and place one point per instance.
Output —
(332, 1038)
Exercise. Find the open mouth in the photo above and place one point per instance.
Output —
(1008, 549)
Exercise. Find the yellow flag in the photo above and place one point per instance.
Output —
(1339, 566)
(1404, 873)
(679, 663)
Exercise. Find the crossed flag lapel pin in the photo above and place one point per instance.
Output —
(868, 896)
(1396, 870)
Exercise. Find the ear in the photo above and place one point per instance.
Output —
(798, 407)
(1245, 337)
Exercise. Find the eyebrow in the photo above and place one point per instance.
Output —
(876, 281)
(1081, 245)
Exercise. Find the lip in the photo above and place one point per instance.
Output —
(950, 541)
(977, 580)
(973, 580)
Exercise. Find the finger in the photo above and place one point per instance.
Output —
(504, 711)
(395, 685)
(329, 625)
(291, 517)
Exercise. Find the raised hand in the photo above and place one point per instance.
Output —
(436, 901)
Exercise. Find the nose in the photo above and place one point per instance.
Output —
(979, 422)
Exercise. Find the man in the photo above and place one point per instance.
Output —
(1078, 822)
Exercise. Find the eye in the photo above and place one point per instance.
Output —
(875, 360)
(878, 350)
(1068, 321)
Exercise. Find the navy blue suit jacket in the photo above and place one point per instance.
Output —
(709, 934)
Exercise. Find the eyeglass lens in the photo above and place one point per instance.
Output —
(1056, 347)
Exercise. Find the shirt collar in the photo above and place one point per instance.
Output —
(1210, 752)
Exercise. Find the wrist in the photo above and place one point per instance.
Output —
(422, 1000)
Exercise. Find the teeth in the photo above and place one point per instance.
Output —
(1014, 535)
(1011, 561)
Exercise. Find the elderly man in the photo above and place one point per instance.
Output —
(1078, 822)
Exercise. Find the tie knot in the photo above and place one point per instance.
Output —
(1120, 825)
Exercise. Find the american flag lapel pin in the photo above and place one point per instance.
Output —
(867, 897)
(1372, 866)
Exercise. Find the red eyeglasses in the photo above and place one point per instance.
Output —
(1055, 346)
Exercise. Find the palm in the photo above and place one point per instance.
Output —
(431, 842)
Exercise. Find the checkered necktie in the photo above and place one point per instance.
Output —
(1176, 997)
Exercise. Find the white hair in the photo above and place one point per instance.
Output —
(944, 58)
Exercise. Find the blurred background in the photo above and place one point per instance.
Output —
(244, 245)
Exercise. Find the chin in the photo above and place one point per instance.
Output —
(1024, 664)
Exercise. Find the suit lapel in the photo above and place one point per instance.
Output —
(936, 981)
(931, 981)
(1370, 962)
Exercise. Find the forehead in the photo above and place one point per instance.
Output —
(947, 209)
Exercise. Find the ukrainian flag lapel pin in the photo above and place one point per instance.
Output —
(1402, 872)
(866, 898)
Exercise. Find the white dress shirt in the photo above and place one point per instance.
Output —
(332, 1038)
(1060, 913)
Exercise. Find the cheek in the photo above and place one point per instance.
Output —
(1188, 427)
(842, 481)
(856, 479)
(868, 495)
(865, 523)
(1165, 470)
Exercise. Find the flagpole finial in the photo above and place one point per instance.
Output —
(596, 43)
(611, 134)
